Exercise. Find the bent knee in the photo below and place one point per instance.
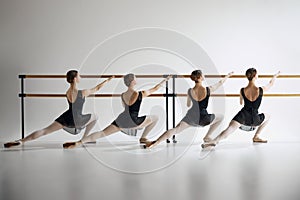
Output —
(267, 116)
(154, 118)
(219, 117)
(234, 124)
(94, 117)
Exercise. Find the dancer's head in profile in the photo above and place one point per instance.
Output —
(73, 76)
(251, 74)
(129, 80)
(196, 76)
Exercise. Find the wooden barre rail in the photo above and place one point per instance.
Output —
(153, 76)
(157, 95)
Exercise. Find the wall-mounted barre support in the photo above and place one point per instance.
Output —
(167, 107)
(173, 105)
(22, 95)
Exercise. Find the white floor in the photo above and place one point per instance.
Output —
(122, 170)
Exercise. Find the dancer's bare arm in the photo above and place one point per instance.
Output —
(241, 98)
(271, 83)
(155, 88)
(219, 83)
(188, 100)
(93, 90)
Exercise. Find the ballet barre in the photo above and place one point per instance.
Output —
(152, 76)
(167, 94)
(158, 95)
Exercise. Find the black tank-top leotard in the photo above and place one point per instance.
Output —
(73, 117)
(197, 115)
(129, 117)
(249, 114)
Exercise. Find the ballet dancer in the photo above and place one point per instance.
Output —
(197, 115)
(248, 117)
(72, 119)
(128, 119)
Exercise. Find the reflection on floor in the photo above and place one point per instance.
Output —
(123, 170)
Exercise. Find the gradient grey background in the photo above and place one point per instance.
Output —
(49, 37)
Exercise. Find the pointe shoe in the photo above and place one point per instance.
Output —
(144, 141)
(149, 145)
(69, 145)
(205, 145)
(11, 144)
(258, 140)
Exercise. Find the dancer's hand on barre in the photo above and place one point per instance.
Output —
(163, 81)
(219, 83)
(167, 78)
(156, 87)
(229, 74)
(226, 77)
(107, 80)
(277, 74)
(110, 78)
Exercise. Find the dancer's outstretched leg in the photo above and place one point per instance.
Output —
(179, 128)
(233, 125)
(93, 136)
(36, 134)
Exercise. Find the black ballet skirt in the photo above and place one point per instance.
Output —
(197, 115)
(129, 117)
(249, 116)
(73, 120)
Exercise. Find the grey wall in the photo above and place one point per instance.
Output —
(51, 36)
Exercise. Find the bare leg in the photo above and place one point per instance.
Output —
(90, 125)
(179, 128)
(36, 134)
(93, 136)
(105, 132)
(149, 124)
(215, 124)
(260, 128)
(233, 125)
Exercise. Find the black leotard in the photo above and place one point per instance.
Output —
(249, 114)
(197, 115)
(73, 117)
(129, 117)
